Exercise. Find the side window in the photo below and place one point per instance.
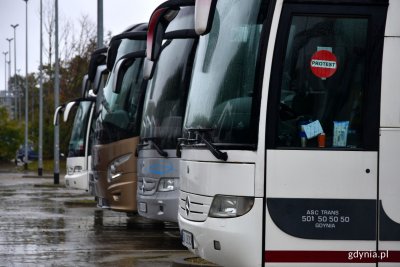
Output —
(323, 82)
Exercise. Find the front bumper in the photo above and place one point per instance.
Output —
(79, 180)
(161, 206)
(117, 195)
(228, 241)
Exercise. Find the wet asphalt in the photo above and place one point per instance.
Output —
(42, 224)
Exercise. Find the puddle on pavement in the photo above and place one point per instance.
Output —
(60, 227)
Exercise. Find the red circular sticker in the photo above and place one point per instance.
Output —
(323, 64)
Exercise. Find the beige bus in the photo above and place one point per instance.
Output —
(113, 180)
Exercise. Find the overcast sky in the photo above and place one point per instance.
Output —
(118, 15)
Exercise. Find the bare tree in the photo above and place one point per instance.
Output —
(49, 27)
(65, 38)
(108, 38)
(71, 44)
(87, 33)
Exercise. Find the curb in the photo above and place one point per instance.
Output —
(37, 176)
(183, 262)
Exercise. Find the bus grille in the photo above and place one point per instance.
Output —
(147, 186)
(194, 207)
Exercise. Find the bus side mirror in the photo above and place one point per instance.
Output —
(158, 24)
(97, 58)
(91, 94)
(112, 53)
(85, 85)
(67, 110)
(148, 69)
(204, 15)
(57, 112)
(120, 70)
(98, 79)
(159, 21)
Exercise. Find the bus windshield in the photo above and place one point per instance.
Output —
(117, 115)
(166, 93)
(76, 146)
(222, 95)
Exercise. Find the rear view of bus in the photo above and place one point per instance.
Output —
(164, 107)
(291, 134)
(117, 123)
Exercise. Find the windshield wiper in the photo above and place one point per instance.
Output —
(155, 145)
(200, 138)
(106, 105)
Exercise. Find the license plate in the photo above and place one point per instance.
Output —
(142, 207)
(187, 239)
(101, 202)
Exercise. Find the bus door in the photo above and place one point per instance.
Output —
(322, 134)
(389, 150)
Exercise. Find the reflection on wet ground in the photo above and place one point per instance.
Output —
(55, 226)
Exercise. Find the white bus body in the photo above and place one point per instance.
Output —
(77, 173)
(78, 163)
(79, 156)
(285, 197)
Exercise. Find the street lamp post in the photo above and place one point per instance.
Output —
(9, 71)
(26, 87)
(5, 70)
(16, 94)
(56, 102)
(40, 161)
(100, 31)
(9, 56)
(19, 92)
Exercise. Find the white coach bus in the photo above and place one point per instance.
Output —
(79, 149)
(291, 148)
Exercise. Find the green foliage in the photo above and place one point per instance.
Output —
(11, 136)
(48, 166)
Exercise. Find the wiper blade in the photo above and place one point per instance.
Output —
(213, 149)
(139, 147)
(155, 145)
(106, 105)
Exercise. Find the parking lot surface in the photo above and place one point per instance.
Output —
(42, 224)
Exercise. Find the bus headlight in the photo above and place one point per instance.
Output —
(78, 169)
(70, 170)
(74, 169)
(230, 206)
(113, 168)
(167, 184)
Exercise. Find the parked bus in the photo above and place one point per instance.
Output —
(114, 176)
(291, 134)
(164, 107)
(79, 149)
